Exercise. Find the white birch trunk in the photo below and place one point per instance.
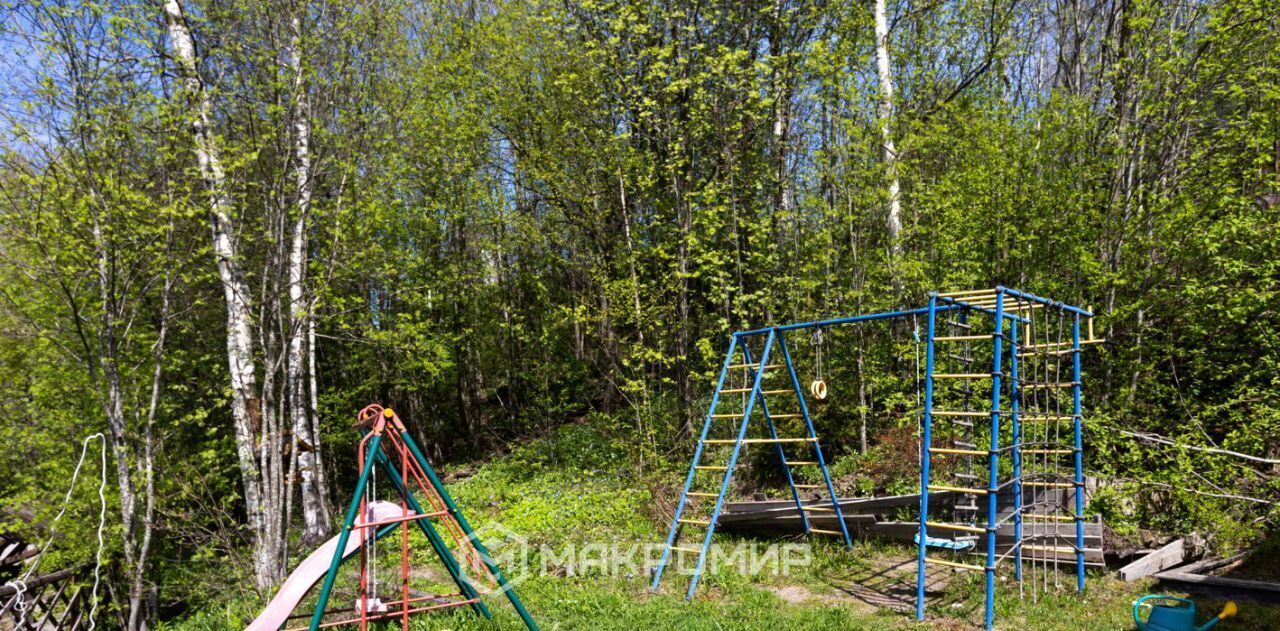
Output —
(245, 410)
(889, 153)
(306, 445)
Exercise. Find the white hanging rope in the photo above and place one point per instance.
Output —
(20, 584)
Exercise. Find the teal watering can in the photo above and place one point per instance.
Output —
(1167, 613)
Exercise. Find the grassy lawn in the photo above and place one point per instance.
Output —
(552, 497)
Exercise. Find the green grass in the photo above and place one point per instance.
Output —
(561, 492)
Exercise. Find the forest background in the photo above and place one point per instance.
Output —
(227, 225)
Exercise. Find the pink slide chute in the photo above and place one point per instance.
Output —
(315, 566)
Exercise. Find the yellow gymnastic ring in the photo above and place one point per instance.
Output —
(818, 389)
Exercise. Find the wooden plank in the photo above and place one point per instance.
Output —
(1171, 554)
(1221, 586)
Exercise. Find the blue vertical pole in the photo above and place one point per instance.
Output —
(1015, 400)
(817, 449)
(993, 458)
(782, 454)
(925, 442)
(1078, 449)
(733, 461)
(693, 467)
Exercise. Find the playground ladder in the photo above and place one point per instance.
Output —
(699, 509)
(1011, 311)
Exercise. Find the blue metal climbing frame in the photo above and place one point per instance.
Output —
(1018, 319)
(1026, 387)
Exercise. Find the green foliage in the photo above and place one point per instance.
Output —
(528, 214)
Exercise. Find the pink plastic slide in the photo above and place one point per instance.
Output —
(315, 566)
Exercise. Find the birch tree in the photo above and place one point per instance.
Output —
(884, 112)
(305, 445)
(246, 413)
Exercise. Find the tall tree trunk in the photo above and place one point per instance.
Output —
(889, 153)
(307, 445)
(245, 411)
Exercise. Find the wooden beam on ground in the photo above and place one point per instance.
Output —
(1171, 554)
(1222, 587)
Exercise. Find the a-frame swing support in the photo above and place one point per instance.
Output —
(756, 368)
(373, 454)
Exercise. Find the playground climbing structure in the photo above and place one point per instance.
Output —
(421, 502)
(1001, 457)
(1002, 419)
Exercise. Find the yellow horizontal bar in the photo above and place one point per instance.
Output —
(1055, 549)
(956, 452)
(701, 494)
(739, 415)
(962, 375)
(695, 522)
(826, 532)
(818, 509)
(1042, 386)
(710, 468)
(961, 527)
(963, 338)
(962, 566)
(1051, 485)
(1048, 452)
(956, 489)
(730, 441)
(1036, 416)
(765, 367)
(1033, 518)
(693, 550)
(810, 486)
(966, 292)
(958, 413)
(735, 391)
(798, 463)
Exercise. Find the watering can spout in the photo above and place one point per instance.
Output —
(1228, 611)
